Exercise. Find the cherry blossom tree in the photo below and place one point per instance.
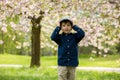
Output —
(100, 20)
(27, 11)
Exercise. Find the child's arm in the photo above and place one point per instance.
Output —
(55, 35)
(80, 33)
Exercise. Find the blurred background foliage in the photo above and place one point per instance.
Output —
(99, 19)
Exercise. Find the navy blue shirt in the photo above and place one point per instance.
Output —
(68, 46)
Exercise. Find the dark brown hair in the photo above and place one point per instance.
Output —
(66, 21)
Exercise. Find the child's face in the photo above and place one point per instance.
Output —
(66, 27)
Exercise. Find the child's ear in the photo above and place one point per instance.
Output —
(72, 26)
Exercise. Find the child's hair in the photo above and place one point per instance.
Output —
(66, 21)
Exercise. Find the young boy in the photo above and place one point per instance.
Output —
(67, 48)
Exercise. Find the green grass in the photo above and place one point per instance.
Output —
(45, 72)
(14, 59)
(28, 74)
(109, 61)
(94, 75)
(25, 60)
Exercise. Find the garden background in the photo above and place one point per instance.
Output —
(26, 26)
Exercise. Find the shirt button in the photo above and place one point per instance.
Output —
(68, 52)
(68, 46)
(68, 40)
(68, 59)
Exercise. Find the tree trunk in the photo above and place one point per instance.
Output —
(96, 48)
(2, 48)
(35, 60)
(36, 31)
(97, 52)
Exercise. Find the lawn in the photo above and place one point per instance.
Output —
(45, 72)
(84, 60)
(108, 61)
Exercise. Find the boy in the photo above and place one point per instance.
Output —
(67, 48)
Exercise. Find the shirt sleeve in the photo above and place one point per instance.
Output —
(55, 35)
(80, 33)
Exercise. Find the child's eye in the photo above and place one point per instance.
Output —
(63, 25)
(68, 25)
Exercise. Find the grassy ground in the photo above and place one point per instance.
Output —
(109, 61)
(44, 73)
(47, 73)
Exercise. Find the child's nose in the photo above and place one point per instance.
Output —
(66, 26)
